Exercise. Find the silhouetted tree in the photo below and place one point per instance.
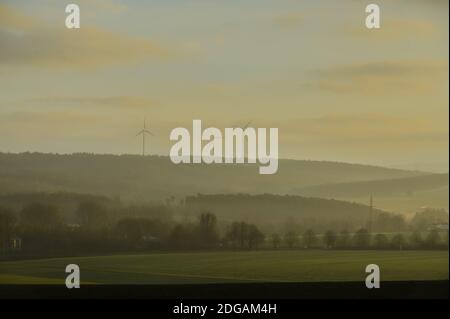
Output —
(330, 239)
(291, 239)
(92, 215)
(130, 229)
(361, 238)
(276, 240)
(416, 239)
(208, 235)
(433, 239)
(40, 217)
(446, 239)
(344, 239)
(381, 241)
(234, 235)
(42, 229)
(243, 235)
(7, 228)
(255, 237)
(182, 237)
(398, 241)
(309, 238)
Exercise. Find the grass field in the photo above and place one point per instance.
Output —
(223, 267)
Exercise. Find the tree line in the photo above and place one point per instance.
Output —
(44, 230)
(362, 239)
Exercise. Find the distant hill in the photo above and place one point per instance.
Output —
(265, 209)
(17, 201)
(67, 202)
(384, 187)
(140, 178)
(393, 194)
(279, 209)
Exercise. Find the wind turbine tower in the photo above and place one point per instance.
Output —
(143, 132)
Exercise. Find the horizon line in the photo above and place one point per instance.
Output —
(162, 155)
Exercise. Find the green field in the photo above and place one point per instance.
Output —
(222, 267)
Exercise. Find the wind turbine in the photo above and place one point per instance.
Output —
(143, 132)
(243, 127)
(247, 125)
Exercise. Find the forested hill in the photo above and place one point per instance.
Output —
(276, 208)
(388, 187)
(406, 194)
(263, 210)
(156, 177)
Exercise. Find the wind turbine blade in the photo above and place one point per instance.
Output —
(148, 132)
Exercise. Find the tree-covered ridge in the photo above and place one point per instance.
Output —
(156, 177)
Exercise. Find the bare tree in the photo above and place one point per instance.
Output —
(309, 238)
(291, 239)
(361, 238)
(208, 235)
(7, 226)
(330, 239)
(276, 239)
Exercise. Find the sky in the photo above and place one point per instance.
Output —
(336, 90)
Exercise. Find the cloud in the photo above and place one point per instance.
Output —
(11, 19)
(104, 5)
(129, 102)
(46, 124)
(394, 30)
(389, 68)
(428, 2)
(289, 20)
(366, 123)
(365, 133)
(385, 77)
(48, 117)
(87, 47)
(55, 130)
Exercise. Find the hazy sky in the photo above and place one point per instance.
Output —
(336, 90)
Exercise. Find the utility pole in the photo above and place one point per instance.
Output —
(370, 214)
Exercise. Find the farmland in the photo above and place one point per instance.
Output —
(232, 267)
